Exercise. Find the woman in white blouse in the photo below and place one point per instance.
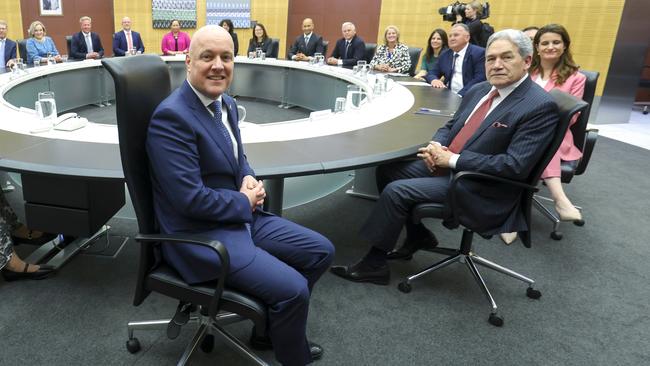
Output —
(392, 56)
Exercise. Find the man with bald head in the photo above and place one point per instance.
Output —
(203, 185)
(461, 66)
(127, 39)
(349, 49)
(307, 44)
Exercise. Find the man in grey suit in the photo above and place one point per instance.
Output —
(502, 127)
(306, 44)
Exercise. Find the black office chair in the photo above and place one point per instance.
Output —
(370, 51)
(568, 106)
(22, 49)
(414, 54)
(141, 83)
(275, 48)
(585, 140)
(68, 43)
(325, 44)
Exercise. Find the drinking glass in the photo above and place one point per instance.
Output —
(258, 52)
(133, 51)
(64, 58)
(46, 107)
(356, 96)
(339, 105)
(37, 63)
(251, 55)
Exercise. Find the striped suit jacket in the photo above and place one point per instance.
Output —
(509, 143)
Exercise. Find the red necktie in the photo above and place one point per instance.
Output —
(129, 41)
(472, 124)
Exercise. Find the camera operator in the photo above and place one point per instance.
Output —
(472, 19)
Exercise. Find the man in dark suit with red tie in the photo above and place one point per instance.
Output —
(349, 49)
(502, 128)
(307, 44)
(203, 185)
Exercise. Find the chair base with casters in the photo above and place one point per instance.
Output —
(464, 255)
(556, 234)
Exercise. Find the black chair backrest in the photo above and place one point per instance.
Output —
(68, 42)
(275, 48)
(414, 54)
(22, 49)
(325, 44)
(141, 83)
(370, 51)
(578, 129)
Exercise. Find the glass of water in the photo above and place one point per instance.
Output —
(64, 58)
(46, 107)
(356, 96)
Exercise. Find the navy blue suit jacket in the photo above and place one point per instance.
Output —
(315, 45)
(120, 45)
(10, 50)
(196, 182)
(510, 148)
(473, 67)
(78, 48)
(356, 51)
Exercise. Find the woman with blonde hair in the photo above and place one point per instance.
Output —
(392, 56)
(39, 46)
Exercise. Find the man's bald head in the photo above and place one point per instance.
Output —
(211, 60)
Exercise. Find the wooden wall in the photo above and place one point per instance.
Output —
(10, 12)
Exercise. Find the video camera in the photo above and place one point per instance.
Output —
(450, 12)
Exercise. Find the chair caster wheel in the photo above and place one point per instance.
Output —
(133, 345)
(207, 344)
(496, 320)
(405, 287)
(556, 235)
(579, 223)
(532, 293)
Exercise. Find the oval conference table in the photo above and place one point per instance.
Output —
(73, 182)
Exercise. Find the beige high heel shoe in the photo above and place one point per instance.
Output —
(508, 238)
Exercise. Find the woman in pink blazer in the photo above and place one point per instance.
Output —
(553, 67)
(175, 42)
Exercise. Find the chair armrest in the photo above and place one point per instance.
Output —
(215, 245)
(480, 176)
(591, 136)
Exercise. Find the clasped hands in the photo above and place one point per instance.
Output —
(384, 68)
(435, 156)
(253, 190)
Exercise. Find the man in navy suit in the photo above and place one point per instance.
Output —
(203, 184)
(126, 39)
(7, 47)
(349, 49)
(306, 44)
(86, 44)
(502, 127)
(461, 66)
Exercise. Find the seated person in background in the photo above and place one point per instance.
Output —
(553, 68)
(530, 32)
(260, 40)
(86, 44)
(227, 25)
(175, 42)
(469, 141)
(126, 39)
(436, 45)
(306, 44)
(473, 10)
(13, 268)
(392, 56)
(7, 47)
(39, 45)
(462, 65)
(349, 49)
(203, 184)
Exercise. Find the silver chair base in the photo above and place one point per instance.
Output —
(206, 326)
(552, 216)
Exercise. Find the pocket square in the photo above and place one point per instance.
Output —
(499, 125)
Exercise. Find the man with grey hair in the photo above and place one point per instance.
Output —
(349, 49)
(7, 47)
(461, 66)
(502, 127)
(86, 44)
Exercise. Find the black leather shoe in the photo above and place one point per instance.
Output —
(264, 343)
(411, 246)
(43, 272)
(362, 272)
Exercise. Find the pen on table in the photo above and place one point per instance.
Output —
(430, 110)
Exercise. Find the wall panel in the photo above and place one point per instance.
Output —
(10, 12)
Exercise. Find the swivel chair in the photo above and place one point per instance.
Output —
(568, 106)
(585, 140)
(22, 49)
(370, 51)
(141, 83)
(325, 44)
(275, 48)
(414, 54)
(68, 43)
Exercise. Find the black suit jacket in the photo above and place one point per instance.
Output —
(266, 47)
(356, 51)
(509, 143)
(78, 49)
(10, 50)
(315, 45)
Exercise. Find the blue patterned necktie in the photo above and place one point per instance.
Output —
(453, 69)
(216, 108)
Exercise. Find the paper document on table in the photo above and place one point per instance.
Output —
(416, 83)
(435, 112)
